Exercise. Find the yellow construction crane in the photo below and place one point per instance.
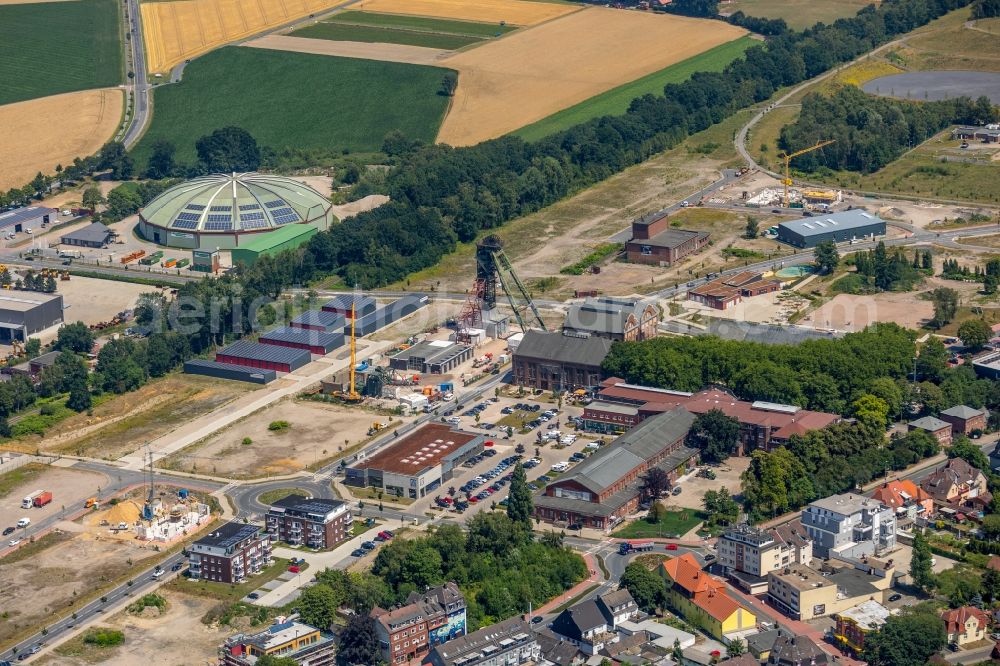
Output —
(352, 392)
(788, 158)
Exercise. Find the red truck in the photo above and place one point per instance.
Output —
(43, 499)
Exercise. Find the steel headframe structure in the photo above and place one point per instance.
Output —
(493, 270)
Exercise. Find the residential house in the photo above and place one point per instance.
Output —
(745, 659)
(702, 600)
(761, 643)
(432, 618)
(305, 644)
(965, 625)
(796, 651)
(748, 553)
(910, 502)
(585, 626)
(965, 420)
(938, 429)
(506, 643)
(314, 522)
(229, 554)
(956, 483)
(618, 606)
(620, 319)
(850, 525)
(855, 624)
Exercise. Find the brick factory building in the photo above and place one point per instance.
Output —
(313, 522)
(729, 290)
(230, 554)
(559, 361)
(655, 242)
(418, 463)
(627, 319)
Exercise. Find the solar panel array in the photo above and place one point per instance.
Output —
(219, 218)
(277, 203)
(185, 224)
(282, 211)
(220, 209)
(253, 224)
(246, 217)
(195, 207)
(250, 206)
(218, 225)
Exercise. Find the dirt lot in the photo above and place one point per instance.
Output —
(847, 312)
(528, 75)
(45, 578)
(121, 425)
(318, 431)
(175, 637)
(414, 55)
(515, 12)
(175, 31)
(727, 476)
(69, 487)
(85, 120)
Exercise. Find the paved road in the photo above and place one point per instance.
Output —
(140, 85)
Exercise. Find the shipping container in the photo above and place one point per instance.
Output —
(43, 499)
(229, 371)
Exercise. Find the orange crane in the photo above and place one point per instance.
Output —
(352, 394)
(788, 158)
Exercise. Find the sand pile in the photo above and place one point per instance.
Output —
(126, 511)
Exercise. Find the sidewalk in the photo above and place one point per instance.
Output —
(595, 578)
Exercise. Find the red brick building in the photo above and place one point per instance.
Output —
(427, 619)
(964, 420)
(313, 522)
(230, 554)
(730, 290)
(655, 242)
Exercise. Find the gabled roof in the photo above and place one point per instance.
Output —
(555, 347)
(898, 493)
(955, 619)
(705, 591)
(796, 651)
(956, 472)
(603, 314)
(92, 233)
(577, 620)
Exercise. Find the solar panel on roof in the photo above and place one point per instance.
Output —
(221, 209)
(246, 217)
(219, 218)
(185, 224)
(285, 219)
(254, 224)
(283, 211)
(275, 204)
(249, 206)
(195, 207)
(218, 225)
(188, 216)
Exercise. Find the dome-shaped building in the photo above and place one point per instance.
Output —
(225, 210)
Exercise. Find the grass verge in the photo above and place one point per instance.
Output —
(272, 496)
(16, 477)
(672, 524)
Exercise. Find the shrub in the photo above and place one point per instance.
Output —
(104, 637)
(278, 426)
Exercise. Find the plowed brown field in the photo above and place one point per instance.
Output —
(53, 130)
(530, 74)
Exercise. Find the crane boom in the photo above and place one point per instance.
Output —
(787, 157)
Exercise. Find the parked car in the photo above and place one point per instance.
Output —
(8, 530)
(670, 546)
(253, 595)
(357, 552)
(368, 545)
(13, 542)
(895, 597)
(676, 491)
(294, 569)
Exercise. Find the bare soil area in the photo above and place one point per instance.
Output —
(86, 120)
(727, 475)
(530, 74)
(317, 431)
(364, 204)
(414, 55)
(847, 312)
(39, 582)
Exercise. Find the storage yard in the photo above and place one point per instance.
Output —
(529, 75)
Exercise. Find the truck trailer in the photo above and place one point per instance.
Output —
(43, 499)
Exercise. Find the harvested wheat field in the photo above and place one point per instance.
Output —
(513, 12)
(53, 130)
(175, 31)
(531, 74)
(414, 55)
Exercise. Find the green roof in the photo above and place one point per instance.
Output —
(265, 241)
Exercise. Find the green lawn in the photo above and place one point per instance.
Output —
(226, 592)
(16, 477)
(616, 101)
(296, 100)
(345, 32)
(798, 14)
(56, 47)
(400, 22)
(672, 524)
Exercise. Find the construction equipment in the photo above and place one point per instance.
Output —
(787, 157)
(352, 394)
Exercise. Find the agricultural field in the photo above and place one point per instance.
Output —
(616, 101)
(54, 130)
(56, 47)
(511, 12)
(529, 75)
(360, 26)
(179, 30)
(798, 14)
(296, 99)
(953, 42)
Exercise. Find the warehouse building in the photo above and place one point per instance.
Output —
(837, 227)
(94, 235)
(655, 242)
(987, 365)
(226, 211)
(559, 361)
(418, 463)
(24, 313)
(627, 319)
(315, 342)
(319, 320)
(237, 373)
(27, 218)
(431, 357)
(343, 304)
(603, 489)
(391, 313)
(279, 240)
(268, 357)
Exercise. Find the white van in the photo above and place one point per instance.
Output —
(24, 522)
(560, 467)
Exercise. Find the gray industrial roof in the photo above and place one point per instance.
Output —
(24, 215)
(558, 347)
(846, 503)
(229, 534)
(320, 318)
(229, 368)
(46, 359)
(931, 423)
(304, 336)
(432, 351)
(603, 314)
(268, 353)
(631, 450)
(23, 301)
(962, 412)
(318, 506)
(344, 302)
(844, 221)
(92, 233)
(671, 238)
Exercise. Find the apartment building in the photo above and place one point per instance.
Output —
(428, 619)
(507, 643)
(849, 525)
(804, 593)
(748, 554)
(314, 522)
(306, 644)
(230, 554)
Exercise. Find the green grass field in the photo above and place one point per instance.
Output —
(296, 100)
(396, 29)
(617, 100)
(56, 47)
(673, 524)
(798, 14)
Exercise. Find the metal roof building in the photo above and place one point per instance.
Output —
(363, 305)
(268, 357)
(25, 218)
(319, 320)
(225, 210)
(94, 235)
(24, 313)
(614, 318)
(838, 227)
(316, 342)
(382, 317)
(431, 357)
(239, 373)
